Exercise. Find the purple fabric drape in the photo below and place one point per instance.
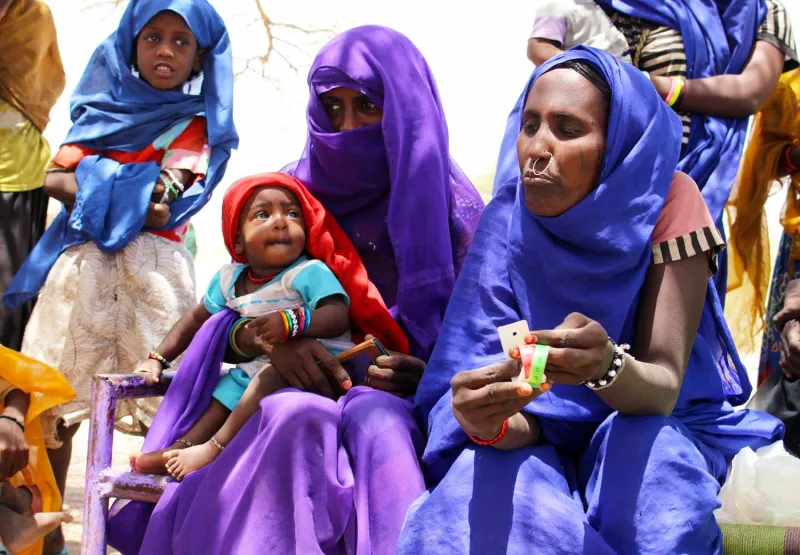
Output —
(408, 208)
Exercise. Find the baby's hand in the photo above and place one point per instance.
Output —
(150, 366)
(269, 328)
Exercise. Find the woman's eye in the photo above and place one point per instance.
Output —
(530, 128)
(182, 42)
(293, 214)
(262, 215)
(367, 105)
(151, 38)
(570, 131)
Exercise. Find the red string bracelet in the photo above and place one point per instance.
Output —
(496, 439)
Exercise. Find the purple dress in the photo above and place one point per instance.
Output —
(307, 474)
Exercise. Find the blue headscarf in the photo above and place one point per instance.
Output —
(112, 109)
(718, 37)
(592, 259)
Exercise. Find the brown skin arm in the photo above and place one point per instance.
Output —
(13, 446)
(541, 50)
(329, 319)
(177, 339)
(731, 96)
(63, 186)
(670, 310)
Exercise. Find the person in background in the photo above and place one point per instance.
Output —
(30, 502)
(31, 80)
(561, 24)
(715, 65)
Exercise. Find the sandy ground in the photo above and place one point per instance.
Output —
(123, 446)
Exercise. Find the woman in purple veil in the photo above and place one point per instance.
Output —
(308, 474)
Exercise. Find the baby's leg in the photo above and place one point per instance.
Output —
(18, 532)
(202, 431)
(183, 462)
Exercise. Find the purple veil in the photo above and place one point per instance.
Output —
(408, 208)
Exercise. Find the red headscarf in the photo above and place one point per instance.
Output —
(326, 242)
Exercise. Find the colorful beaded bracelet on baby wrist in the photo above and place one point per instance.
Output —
(495, 439)
(160, 359)
(295, 322)
(614, 369)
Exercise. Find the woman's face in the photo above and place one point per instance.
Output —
(349, 109)
(563, 139)
(167, 52)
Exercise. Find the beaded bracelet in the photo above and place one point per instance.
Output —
(495, 439)
(157, 357)
(232, 337)
(296, 322)
(614, 369)
(19, 424)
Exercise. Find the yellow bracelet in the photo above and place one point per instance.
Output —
(232, 338)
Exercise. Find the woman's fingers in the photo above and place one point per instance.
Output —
(493, 394)
(475, 379)
(332, 367)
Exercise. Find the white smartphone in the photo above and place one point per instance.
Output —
(512, 335)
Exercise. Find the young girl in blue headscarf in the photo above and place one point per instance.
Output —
(152, 133)
(596, 241)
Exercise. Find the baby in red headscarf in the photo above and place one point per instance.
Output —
(270, 225)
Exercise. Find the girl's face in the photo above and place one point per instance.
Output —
(349, 109)
(565, 119)
(167, 52)
(272, 232)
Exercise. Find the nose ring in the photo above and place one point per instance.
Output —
(549, 160)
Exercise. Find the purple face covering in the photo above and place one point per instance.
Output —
(408, 208)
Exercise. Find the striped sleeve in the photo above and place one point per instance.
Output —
(776, 29)
(704, 240)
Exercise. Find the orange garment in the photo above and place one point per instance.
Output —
(776, 125)
(31, 75)
(327, 242)
(193, 138)
(47, 388)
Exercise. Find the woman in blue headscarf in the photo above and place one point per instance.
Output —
(152, 133)
(598, 244)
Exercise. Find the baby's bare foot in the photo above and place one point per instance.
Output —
(153, 462)
(182, 462)
(20, 532)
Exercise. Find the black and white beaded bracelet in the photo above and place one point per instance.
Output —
(614, 369)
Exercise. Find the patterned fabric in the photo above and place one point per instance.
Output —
(748, 539)
(706, 239)
(101, 313)
(782, 275)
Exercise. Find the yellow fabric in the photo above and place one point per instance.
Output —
(776, 125)
(31, 74)
(47, 388)
(25, 153)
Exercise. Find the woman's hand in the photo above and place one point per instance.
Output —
(296, 361)
(484, 398)
(790, 349)
(397, 373)
(13, 448)
(579, 350)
